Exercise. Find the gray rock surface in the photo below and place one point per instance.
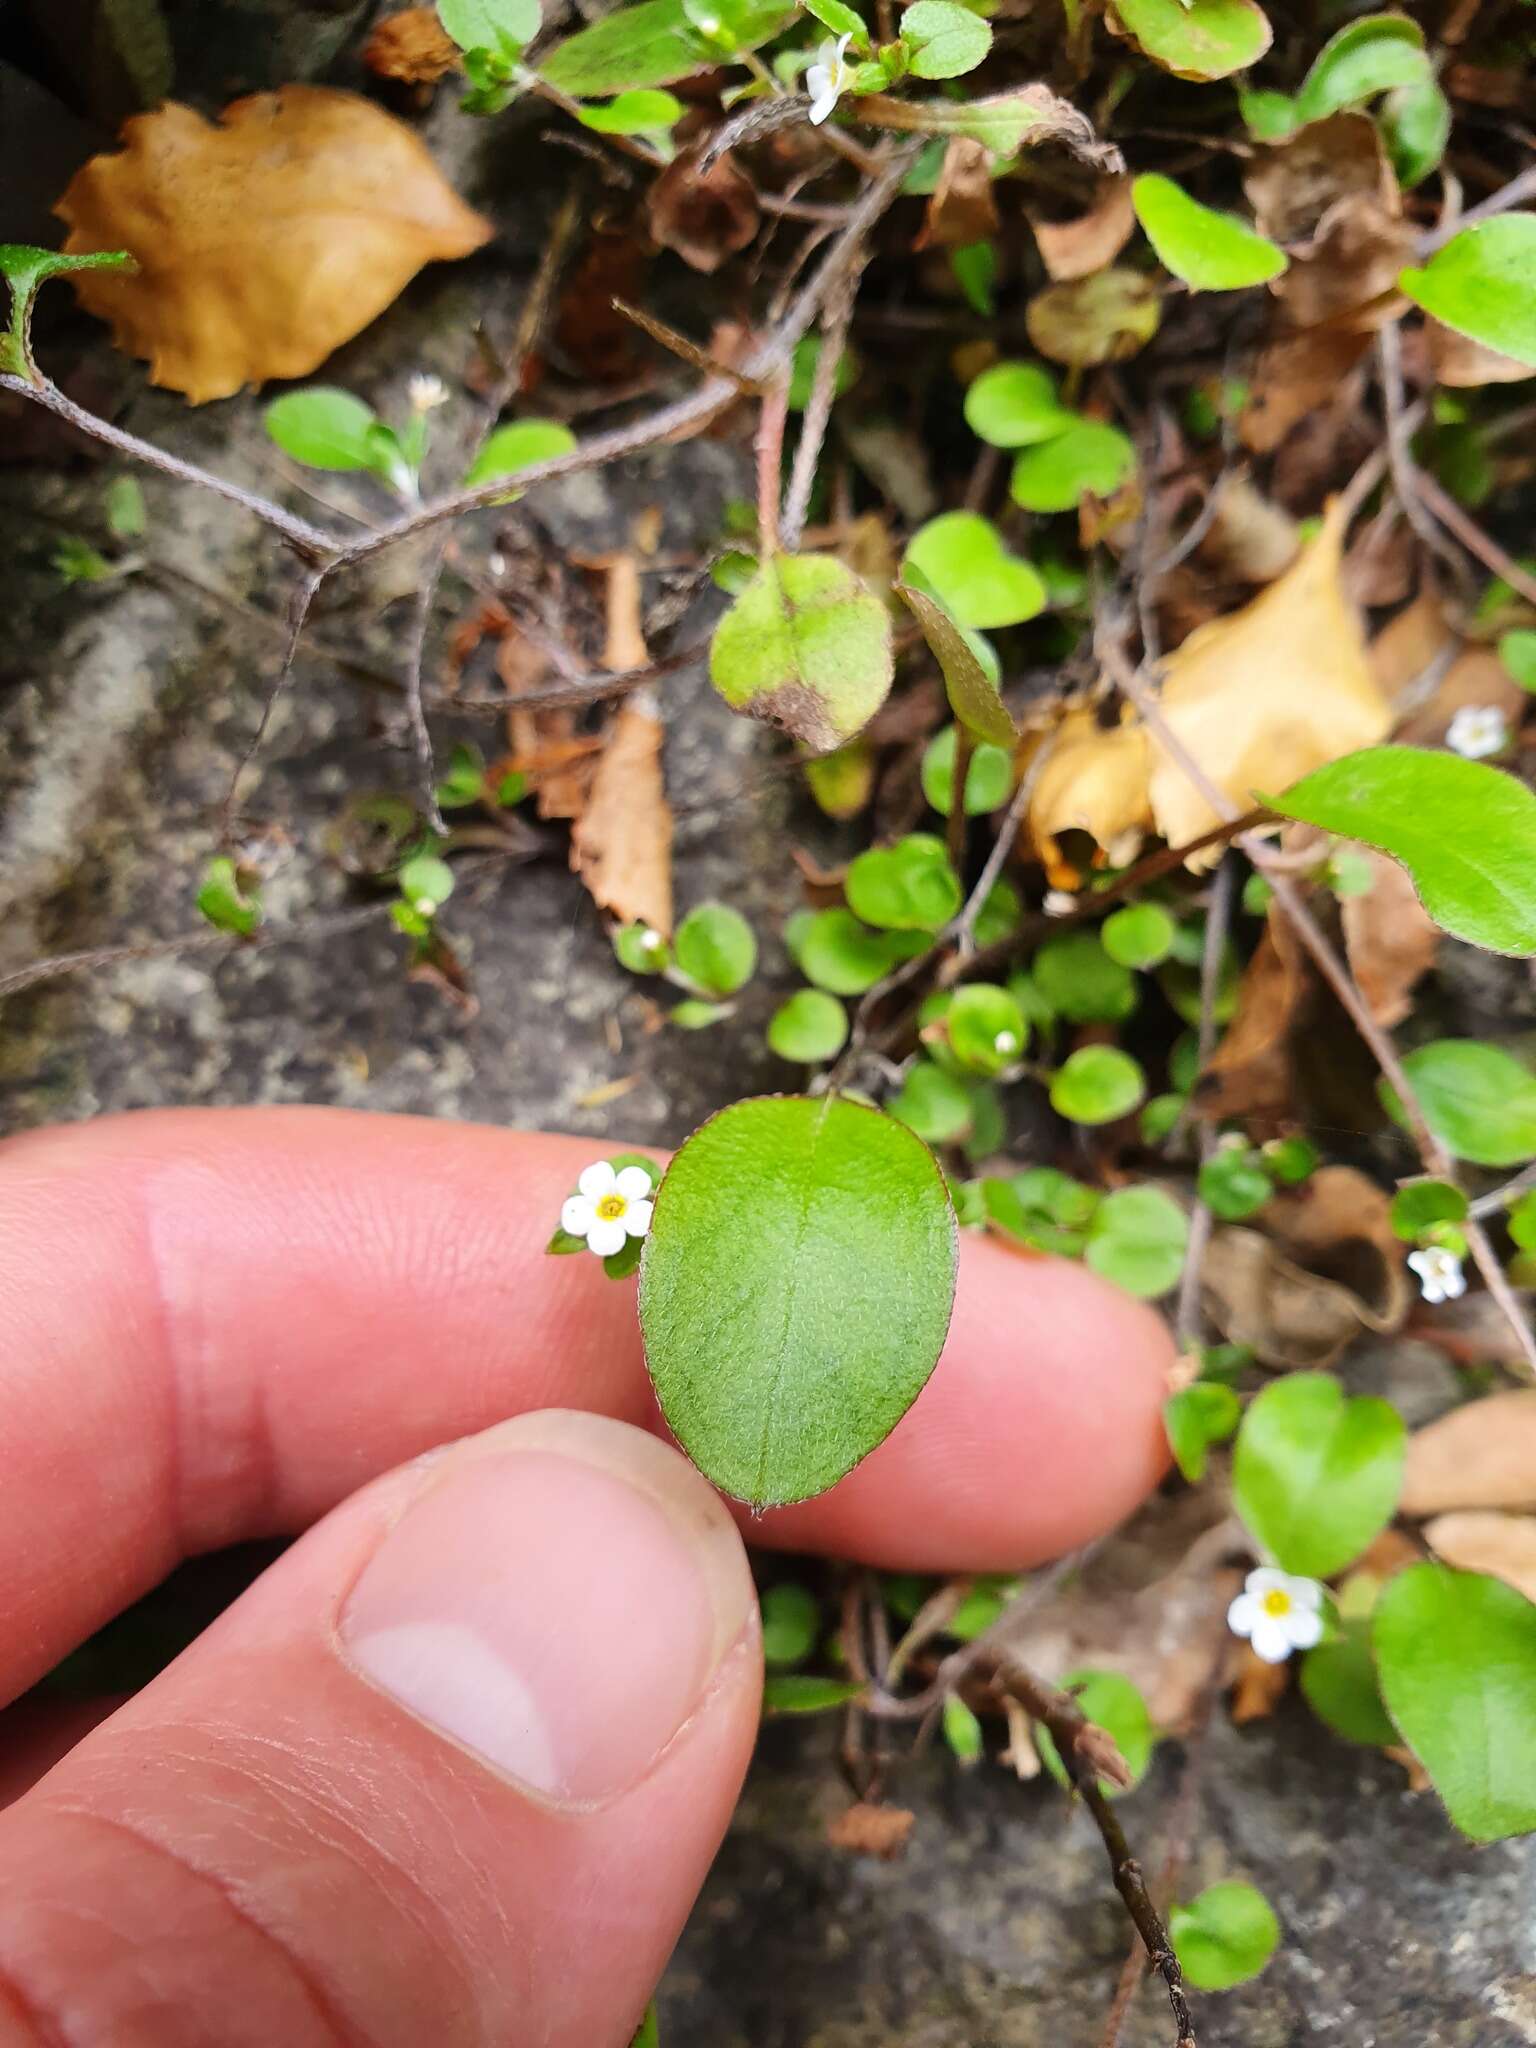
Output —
(124, 709)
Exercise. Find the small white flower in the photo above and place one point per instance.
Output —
(1440, 1274)
(650, 940)
(1277, 1614)
(828, 78)
(1006, 1043)
(1476, 731)
(610, 1207)
(427, 393)
(1058, 903)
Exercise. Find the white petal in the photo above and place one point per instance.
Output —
(1307, 1594)
(1453, 1286)
(634, 1184)
(1243, 1615)
(823, 89)
(1304, 1628)
(596, 1180)
(577, 1216)
(605, 1238)
(1266, 1580)
(637, 1218)
(1271, 1639)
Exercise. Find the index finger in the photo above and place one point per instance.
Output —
(218, 1323)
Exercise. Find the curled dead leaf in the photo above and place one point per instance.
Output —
(265, 240)
(963, 208)
(867, 1830)
(621, 845)
(1070, 249)
(1266, 694)
(705, 215)
(1104, 318)
(1294, 185)
(1094, 781)
(1338, 1222)
(1503, 1546)
(1252, 1071)
(1480, 1456)
(411, 46)
(1390, 938)
(1295, 376)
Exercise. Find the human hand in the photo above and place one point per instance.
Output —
(453, 1769)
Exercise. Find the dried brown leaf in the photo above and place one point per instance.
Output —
(621, 845)
(411, 46)
(1480, 1456)
(1338, 1223)
(705, 215)
(1094, 781)
(1503, 1546)
(963, 207)
(1105, 318)
(1294, 185)
(263, 241)
(1457, 360)
(1252, 1071)
(1255, 1295)
(1266, 694)
(1294, 377)
(1251, 539)
(1071, 249)
(1390, 938)
(867, 1830)
(1257, 1689)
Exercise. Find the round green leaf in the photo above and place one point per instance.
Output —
(1014, 405)
(483, 24)
(1465, 832)
(1141, 935)
(426, 882)
(1479, 1102)
(692, 1014)
(791, 1624)
(642, 949)
(645, 111)
(932, 1103)
(976, 579)
(795, 1291)
(1113, 1704)
(988, 780)
(1198, 38)
(1419, 1205)
(1097, 1084)
(1480, 283)
(803, 1692)
(323, 428)
(1080, 981)
(715, 949)
(943, 39)
(811, 1027)
(806, 646)
(1090, 457)
(986, 1027)
(1316, 1476)
(1195, 1418)
(1364, 58)
(518, 446)
(1456, 1653)
(1211, 251)
(906, 887)
(1233, 1184)
(1415, 123)
(843, 956)
(1338, 1681)
(1517, 651)
(841, 19)
(1224, 1936)
(1138, 1238)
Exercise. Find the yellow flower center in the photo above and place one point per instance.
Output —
(611, 1208)
(1277, 1603)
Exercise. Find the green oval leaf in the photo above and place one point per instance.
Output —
(795, 1291)
(1097, 1084)
(1210, 251)
(973, 694)
(1483, 283)
(810, 1027)
(715, 949)
(519, 445)
(1138, 1238)
(1456, 1653)
(489, 24)
(1364, 58)
(1338, 1681)
(943, 39)
(801, 1692)
(986, 1027)
(1465, 832)
(1517, 651)
(908, 887)
(1197, 38)
(791, 1624)
(1140, 935)
(987, 783)
(936, 1105)
(653, 43)
(644, 111)
(1090, 458)
(1112, 1703)
(843, 956)
(1014, 405)
(1082, 981)
(1316, 1476)
(1479, 1101)
(323, 428)
(1224, 1936)
(1197, 1417)
(807, 647)
(979, 583)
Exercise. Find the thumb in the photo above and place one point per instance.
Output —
(451, 1771)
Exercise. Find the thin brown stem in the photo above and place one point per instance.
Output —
(1456, 519)
(965, 748)
(1515, 193)
(310, 580)
(818, 409)
(1218, 919)
(1407, 480)
(768, 447)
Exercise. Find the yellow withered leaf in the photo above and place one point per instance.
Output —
(1266, 694)
(1094, 781)
(265, 240)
